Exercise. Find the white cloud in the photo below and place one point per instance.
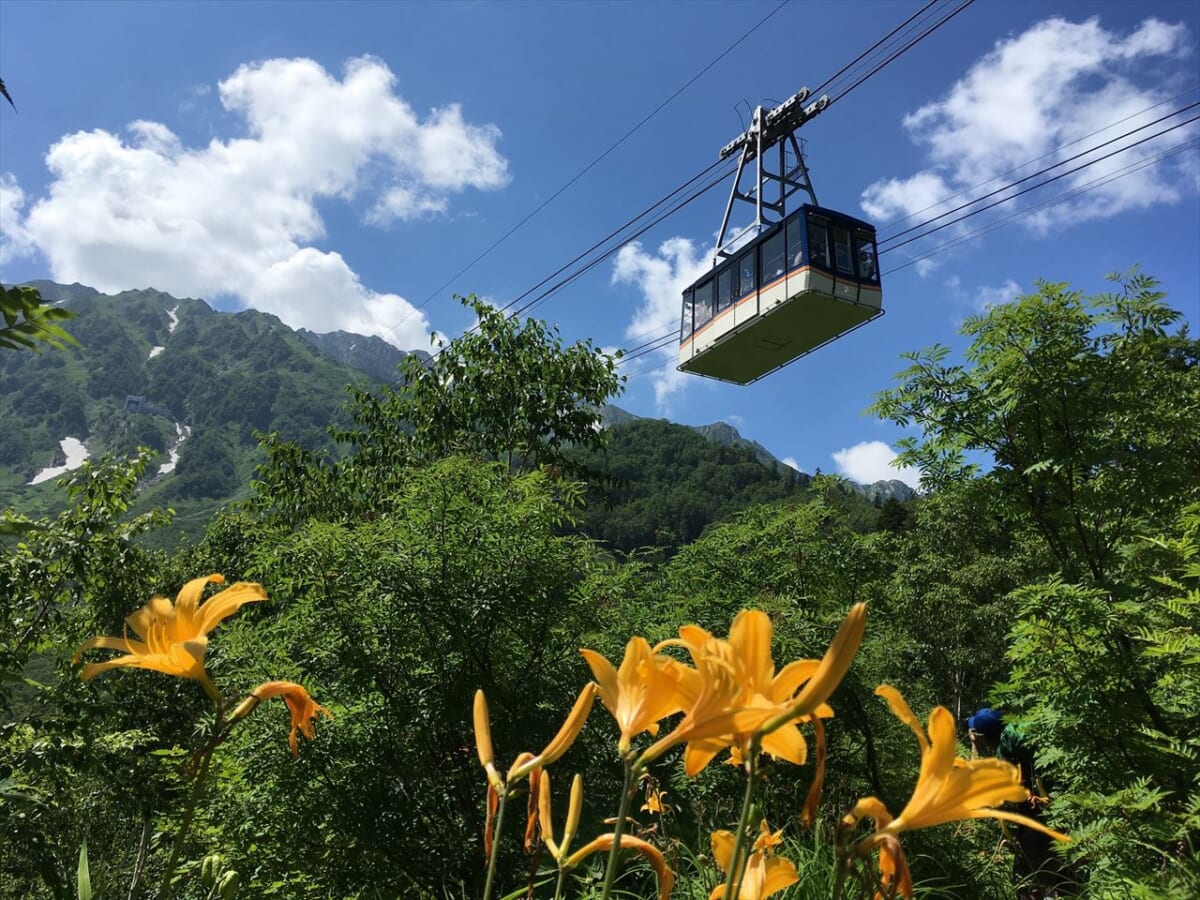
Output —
(14, 241)
(239, 216)
(871, 461)
(1055, 84)
(790, 461)
(988, 297)
(661, 279)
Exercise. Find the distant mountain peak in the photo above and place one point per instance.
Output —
(727, 435)
(367, 353)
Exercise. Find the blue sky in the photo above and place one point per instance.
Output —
(336, 164)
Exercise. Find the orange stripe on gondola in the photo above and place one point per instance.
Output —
(865, 286)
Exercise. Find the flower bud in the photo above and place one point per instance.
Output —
(228, 885)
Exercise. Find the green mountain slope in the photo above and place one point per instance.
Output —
(195, 385)
(672, 481)
(169, 373)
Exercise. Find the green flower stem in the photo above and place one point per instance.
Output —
(610, 871)
(562, 877)
(206, 754)
(737, 865)
(491, 871)
(185, 826)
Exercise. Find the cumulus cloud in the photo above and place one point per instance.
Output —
(661, 278)
(239, 216)
(790, 462)
(988, 297)
(14, 241)
(1036, 99)
(871, 461)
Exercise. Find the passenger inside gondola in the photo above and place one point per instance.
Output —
(866, 263)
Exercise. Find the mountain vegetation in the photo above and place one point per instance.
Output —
(173, 375)
(451, 538)
(199, 391)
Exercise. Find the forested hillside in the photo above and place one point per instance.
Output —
(191, 384)
(195, 386)
(779, 700)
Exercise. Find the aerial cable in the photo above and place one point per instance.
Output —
(1131, 169)
(582, 172)
(1034, 187)
(898, 53)
(653, 329)
(651, 346)
(921, 24)
(1043, 171)
(965, 191)
(615, 233)
(900, 35)
(820, 89)
(617, 247)
(634, 352)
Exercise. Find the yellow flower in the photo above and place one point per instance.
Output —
(666, 878)
(713, 715)
(948, 789)
(654, 802)
(636, 699)
(174, 637)
(483, 739)
(748, 652)
(766, 874)
(303, 708)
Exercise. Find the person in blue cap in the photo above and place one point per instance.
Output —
(1037, 870)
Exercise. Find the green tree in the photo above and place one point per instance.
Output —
(462, 580)
(28, 320)
(1089, 408)
(506, 390)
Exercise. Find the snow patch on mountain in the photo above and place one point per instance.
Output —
(75, 452)
(181, 434)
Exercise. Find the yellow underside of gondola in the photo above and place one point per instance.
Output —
(778, 336)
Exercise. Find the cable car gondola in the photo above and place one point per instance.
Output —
(798, 283)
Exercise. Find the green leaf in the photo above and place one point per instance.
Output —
(85, 878)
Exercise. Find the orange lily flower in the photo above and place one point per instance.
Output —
(666, 878)
(174, 637)
(713, 712)
(303, 708)
(766, 874)
(748, 651)
(948, 789)
(636, 700)
(654, 802)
